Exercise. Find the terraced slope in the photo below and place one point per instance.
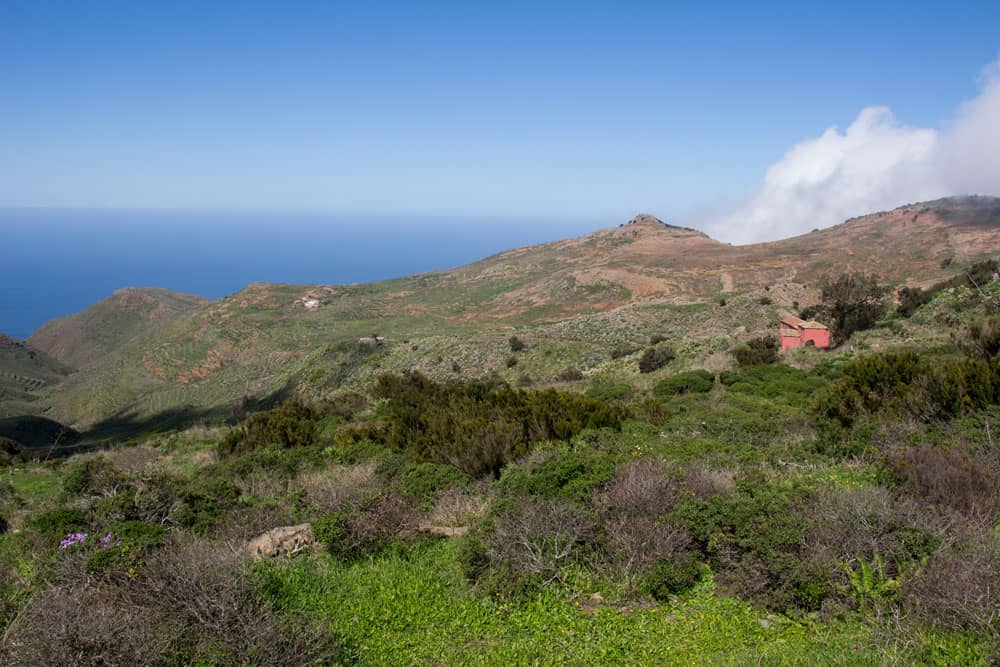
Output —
(24, 374)
(85, 337)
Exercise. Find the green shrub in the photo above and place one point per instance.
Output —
(423, 480)
(331, 530)
(291, 424)
(91, 477)
(666, 578)
(655, 358)
(53, 525)
(889, 384)
(202, 505)
(690, 382)
(757, 351)
(754, 539)
(569, 374)
(561, 473)
(778, 382)
(610, 392)
(516, 344)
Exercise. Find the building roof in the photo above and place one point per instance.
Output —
(793, 321)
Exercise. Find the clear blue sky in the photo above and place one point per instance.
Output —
(508, 109)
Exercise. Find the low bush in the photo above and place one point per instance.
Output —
(564, 473)
(53, 525)
(92, 476)
(383, 521)
(690, 382)
(655, 358)
(570, 374)
(911, 298)
(423, 481)
(610, 392)
(516, 344)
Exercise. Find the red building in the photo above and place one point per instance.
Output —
(800, 333)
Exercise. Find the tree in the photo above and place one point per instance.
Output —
(851, 302)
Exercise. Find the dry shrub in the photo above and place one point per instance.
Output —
(634, 511)
(455, 507)
(191, 603)
(707, 482)
(132, 459)
(208, 594)
(263, 483)
(848, 524)
(959, 588)
(339, 487)
(537, 538)
(384, 520)
(247, 522)
(80, 626)
(958, 479)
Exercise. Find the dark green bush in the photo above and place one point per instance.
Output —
(753, 539)
(291, 424)
(911, 298)
(203, 504)
(656, 339)
(53, 525)
(570, 374)
(610, 392)
(666, 578)
(563, 473)
(889, 384)
(757, 351)
(479, 427)
(690, 382)
(516, 344)
(423, 480)
(511, 361)
(655, 358)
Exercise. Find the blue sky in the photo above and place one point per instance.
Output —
(508, 109)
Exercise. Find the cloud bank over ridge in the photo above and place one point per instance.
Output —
(875, 164)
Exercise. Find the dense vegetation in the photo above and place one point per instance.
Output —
(843, 511)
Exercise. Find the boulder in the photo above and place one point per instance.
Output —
(282, 541)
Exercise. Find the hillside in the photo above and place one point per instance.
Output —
(574, 300)
(85, 337)
(24, 373)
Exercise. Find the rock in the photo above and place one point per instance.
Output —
(597, 597)
(282, 541)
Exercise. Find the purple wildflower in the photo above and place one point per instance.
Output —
(71, 539)
(108, 541)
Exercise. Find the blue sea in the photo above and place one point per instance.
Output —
(54, 262)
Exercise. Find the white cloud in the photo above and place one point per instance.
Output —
(875, 164)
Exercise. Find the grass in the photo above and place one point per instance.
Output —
(414, 608)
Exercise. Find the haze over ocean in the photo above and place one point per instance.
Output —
(54, 262)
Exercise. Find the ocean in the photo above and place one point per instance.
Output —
(54, 262)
